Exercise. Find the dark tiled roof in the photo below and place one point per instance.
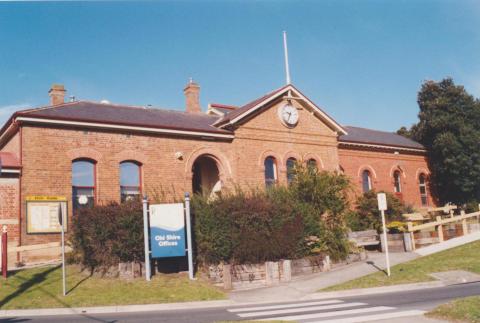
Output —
(128, 115)
(376, 137)
(9, 160)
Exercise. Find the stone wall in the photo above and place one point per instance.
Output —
(240, 277)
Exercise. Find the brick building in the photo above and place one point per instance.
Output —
(95, 152)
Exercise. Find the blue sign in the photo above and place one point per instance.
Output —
(167, 230)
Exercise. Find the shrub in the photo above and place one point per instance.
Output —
(103, 236)
(305, 218)
(246, 228)
(366, 215)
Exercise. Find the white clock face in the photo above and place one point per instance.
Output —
(289, 115)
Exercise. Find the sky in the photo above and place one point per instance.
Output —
(363, 62)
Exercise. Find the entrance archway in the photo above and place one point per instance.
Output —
(206, 176)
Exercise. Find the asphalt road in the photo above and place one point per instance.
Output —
(344, 309)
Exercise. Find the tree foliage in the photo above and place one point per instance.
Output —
(449, 128)
(366, 215)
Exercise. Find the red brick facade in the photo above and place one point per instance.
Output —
(46, 153)
(381, 165)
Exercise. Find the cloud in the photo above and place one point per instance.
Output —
(7, 110)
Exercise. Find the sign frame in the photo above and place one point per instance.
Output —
(39, 199)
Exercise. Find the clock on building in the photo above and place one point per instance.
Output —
(288, 115)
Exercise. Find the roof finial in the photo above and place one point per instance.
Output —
(190, 80)
(285, 48)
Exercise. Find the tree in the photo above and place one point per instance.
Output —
(449, 128)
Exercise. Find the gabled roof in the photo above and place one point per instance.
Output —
(220, 109)
(86, 111)
(239, 114)
(376, 137)
(9, 160)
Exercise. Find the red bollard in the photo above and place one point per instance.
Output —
(4, 252)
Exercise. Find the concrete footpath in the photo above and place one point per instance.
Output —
(303, 287)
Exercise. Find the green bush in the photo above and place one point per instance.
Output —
(246, 228)
(366, 215)
(103, 236)
(305, 218)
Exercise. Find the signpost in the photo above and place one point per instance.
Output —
(61, 221)
(382, 206)
(145, 238)
(189, 236)
(167, 232)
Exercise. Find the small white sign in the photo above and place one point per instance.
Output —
(382, 201)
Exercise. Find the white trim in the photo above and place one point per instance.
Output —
(329, 120)
(380, 146)
(211, 110)
(9, 171)
(134, 128)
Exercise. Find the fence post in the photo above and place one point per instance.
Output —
(464, 223)
(439, 228)
(4, 251)
(227, 276)
(412, 236)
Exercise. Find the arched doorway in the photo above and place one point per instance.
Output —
(206, 176)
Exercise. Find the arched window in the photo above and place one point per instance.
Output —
(290, 169)
(423, 189)
(270, 171)
(366, 181)
(83, 183)
(312, 164)
(130, 180)
(397, 186)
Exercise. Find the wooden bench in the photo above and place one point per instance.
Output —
(364, 238)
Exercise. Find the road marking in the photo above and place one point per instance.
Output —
(329, 314)
(301, 309)
(273, 307)
(374, 317)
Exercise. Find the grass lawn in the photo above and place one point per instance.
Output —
(42, 288)
(464, 309)
(465, 257)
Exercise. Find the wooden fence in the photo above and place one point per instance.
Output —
(438, 224)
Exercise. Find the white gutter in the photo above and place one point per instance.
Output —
(10, 171)
(121, 127)
(381, 146)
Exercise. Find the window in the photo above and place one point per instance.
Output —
(129, 180)
(312, 164)
(423, 189)
(290, 169)
(366, 181)
(396, 181)
(83, 183)
(270, 171)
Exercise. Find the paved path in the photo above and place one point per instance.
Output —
(302, 287)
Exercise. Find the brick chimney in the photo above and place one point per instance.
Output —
(192, 97)
(57, 94)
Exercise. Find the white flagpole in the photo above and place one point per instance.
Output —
(285, 48)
